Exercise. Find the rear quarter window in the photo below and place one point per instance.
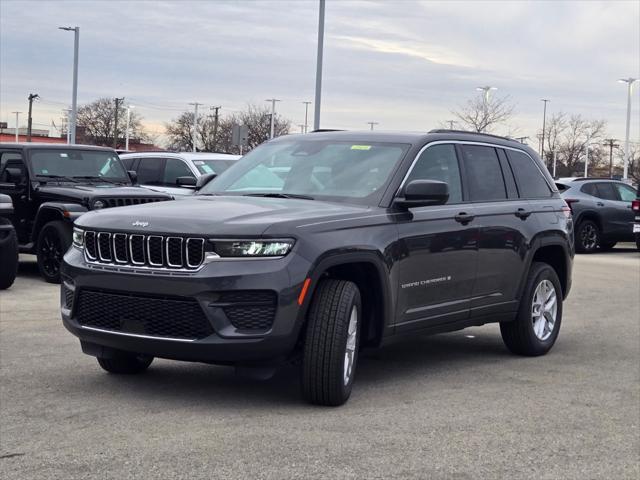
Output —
(530, 180)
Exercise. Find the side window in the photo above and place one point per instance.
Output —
(439, 163)
(509, 179)
(590, 189)
(606, 191)
(150, 171)
(627, 194)
(531, 182)
(173, 169)
(483, 172)
(14, 161)
(128, 162)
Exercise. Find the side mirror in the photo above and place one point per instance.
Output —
(420, 193)
(133, 176)
(204, 179)
(186, 181)
(14, 175)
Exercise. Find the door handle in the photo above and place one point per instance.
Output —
(600, 204)
(464, 217)
(522, 213)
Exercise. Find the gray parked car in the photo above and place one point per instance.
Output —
(601, 210)
(175, 173)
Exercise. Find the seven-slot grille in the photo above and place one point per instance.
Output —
(122, 202)
(158, 251)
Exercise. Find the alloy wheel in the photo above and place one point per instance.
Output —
(350, 351)
(544, 309)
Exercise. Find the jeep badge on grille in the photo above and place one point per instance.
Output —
(138, 223)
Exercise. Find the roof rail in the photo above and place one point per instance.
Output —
(446, 130)
(582, 179)
(320, 130)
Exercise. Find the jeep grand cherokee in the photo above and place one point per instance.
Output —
(315, 246)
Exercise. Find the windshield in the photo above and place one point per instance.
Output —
(212, 166)
(90, 164)
(325, 169)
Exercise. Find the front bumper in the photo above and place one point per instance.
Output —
(227, 344)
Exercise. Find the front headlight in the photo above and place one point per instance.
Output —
(78, 238)
(252, 248)
(98, 204)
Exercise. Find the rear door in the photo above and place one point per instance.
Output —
(611, 210)
(505, 227)
(626, 195)
(24, 210)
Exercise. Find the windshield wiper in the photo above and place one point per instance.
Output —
(279, 195)
(96, 177)
(58, 177)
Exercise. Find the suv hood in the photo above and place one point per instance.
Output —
(219, 215)
(86, 194)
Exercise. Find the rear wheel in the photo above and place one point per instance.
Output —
(587, 236)
(8, 254)
(126, 363)
(53, 242)
(332, 342)
(536, 327)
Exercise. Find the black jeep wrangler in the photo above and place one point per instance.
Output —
(314, 246)
(8, 244)
(52, 185)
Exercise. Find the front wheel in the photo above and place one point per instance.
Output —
(332, 342)
(536, 327)
(53, 242)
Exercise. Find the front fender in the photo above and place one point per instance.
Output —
(49, 211)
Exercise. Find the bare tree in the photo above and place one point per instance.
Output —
(96, 121)
(482, 115)
(577, 135)
(256, 118)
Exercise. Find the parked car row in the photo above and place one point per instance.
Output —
(602, 211)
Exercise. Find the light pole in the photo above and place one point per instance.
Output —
(485, 95)
(306, 115)
(372, 124)
(17, 119)
(629, 81)
(273, 115)
(544, 126)
(316, 107)
(68, 112)
(195, 124)
(74, 95)
(127, 133)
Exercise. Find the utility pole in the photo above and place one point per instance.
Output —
(17, 119)
(273, 115)
(74, 95)
(544, 126)
(316, 107)
(306, 115)
(372, 124)
(451, 123)
(611, 143)
(31, 97)
(215, 125)
(195, 124)
(115, 123)
(629, 81)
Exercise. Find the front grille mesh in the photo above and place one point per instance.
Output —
(142, 315)
(249, 309)
(155, 251)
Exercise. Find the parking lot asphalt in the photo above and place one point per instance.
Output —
(451, 406)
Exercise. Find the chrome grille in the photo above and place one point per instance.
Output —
(154, 251)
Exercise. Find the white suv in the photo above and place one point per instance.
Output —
(171, 172)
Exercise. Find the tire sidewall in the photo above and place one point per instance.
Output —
(543, 272)
(63, 232)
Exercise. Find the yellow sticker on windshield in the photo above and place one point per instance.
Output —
(360, 147)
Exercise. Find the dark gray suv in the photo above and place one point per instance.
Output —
(313, 246)
(602, 212)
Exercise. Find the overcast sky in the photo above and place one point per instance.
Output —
(404, 64)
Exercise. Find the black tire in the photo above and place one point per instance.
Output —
(8, 254)
(587, 237)
(519, 335)
(53, 242)
(126, 363)
(607, 246)
(324, 381)
(638, 242)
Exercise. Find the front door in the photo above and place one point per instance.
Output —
(439, 253)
